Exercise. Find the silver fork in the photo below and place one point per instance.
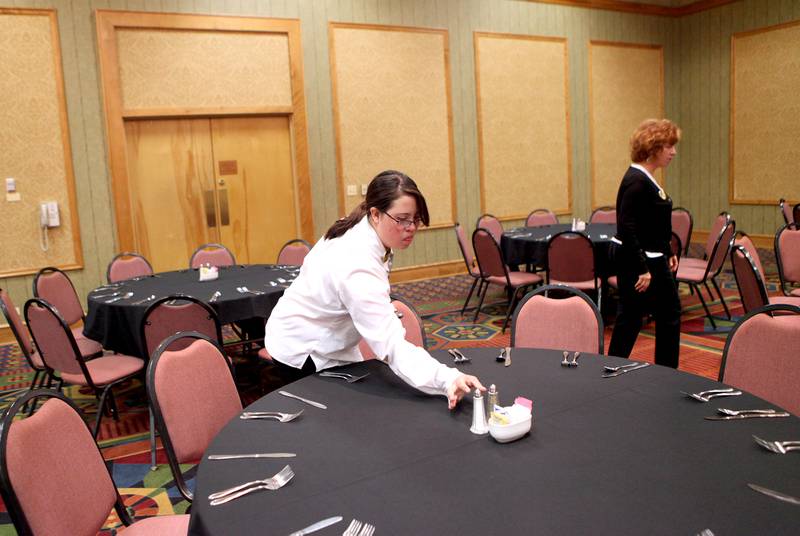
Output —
(367, 530)
(779, 447)
(278, 416)
(150, 298)
(273, 483)
(353, 528)
(246, 290)
(615, 369)
(706, 398)
(726, 411)
(343, 375)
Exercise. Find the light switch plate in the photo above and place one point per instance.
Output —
(351, 189)
(13, 197)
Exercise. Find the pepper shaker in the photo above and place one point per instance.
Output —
(491, 400)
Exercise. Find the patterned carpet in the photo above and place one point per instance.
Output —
(438, 301)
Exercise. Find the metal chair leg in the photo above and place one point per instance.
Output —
(469, 296)
(153, 464)
(721, 298)
(480, 304)
(100, 409)
(705, 307)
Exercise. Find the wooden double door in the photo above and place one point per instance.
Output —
(226, 180)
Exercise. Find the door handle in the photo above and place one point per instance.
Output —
(208, 201)
(223, 207)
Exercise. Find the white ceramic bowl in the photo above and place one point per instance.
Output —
(505, 433)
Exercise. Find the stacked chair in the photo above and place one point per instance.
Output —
(22, 336)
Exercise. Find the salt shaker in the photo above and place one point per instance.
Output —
(479, 424)
(491, 400)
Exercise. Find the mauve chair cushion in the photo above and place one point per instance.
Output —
(565, 324)
(106, 369)
(763, 359)
(122, 269)
(613, 282)
(293, 254)
(175, 525)
(688, 273)
(53, 450)
(789, 244)
(719, 223)
(795, 292)
(86, 345)
(785, 300)
(681, 221)
(52, 340)
(263, 354)
(748, 245)
(604, 216)
(197, 396)
(580, 285)
(537, 219)
(691, 262)
(14, 319)
(518, 279)
(466, 251)
(56, 289)
(213, 257)
(414, 331)
(492, 225)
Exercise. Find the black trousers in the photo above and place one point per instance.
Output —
(290, 374)
(661, 299)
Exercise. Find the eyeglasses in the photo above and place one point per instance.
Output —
(404, 223)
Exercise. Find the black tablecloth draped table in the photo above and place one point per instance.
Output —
(117, 325)
(624, 455)
(528, 245)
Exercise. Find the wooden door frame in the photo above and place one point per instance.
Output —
(115, 115)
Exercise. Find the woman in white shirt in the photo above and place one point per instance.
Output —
(342, 295)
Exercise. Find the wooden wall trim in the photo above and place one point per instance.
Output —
(66, 145)
(427, 271)
(337, 118)
(763, 241)
(640, 8)
(107, 24)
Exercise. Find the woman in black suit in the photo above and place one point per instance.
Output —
(642, 254)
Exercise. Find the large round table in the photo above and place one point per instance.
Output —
(623, 455)
(117, 325)
(528, 245)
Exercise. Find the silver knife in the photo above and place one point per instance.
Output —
(508, 357)
(775, 494)
(625, 371)
(239, 456)
(301, 399)
(746, 416)
(316, 526)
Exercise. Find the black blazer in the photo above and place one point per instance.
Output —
(644, 219)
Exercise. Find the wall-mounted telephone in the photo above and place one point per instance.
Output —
(48, 217)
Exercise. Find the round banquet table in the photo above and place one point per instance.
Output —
(623, 455)
(117, 325)
(528, 245)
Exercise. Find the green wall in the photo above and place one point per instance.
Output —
(696, 55)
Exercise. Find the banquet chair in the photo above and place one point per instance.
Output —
(22, 336)
(491, 224)
(62, 358)
(603, 215)
(412, 323)
(469, 260)
(787, 255)
(750, 282)
(494, 271)
(192, 395)
(213, 255)
(796, 213)
(695, 276)
(539, 217)
(743, 239)
(761, 355)
(54, 479)
(293, 252)
(786, 211)
(55, 287)
(170, 315)
(542, 320)
(571, 262)
(722, 219)
(682, 225)
(127, 265)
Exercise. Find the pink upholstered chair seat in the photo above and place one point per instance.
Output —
(691, 262)
(263, 354)
(518, 279)
(691, 273)
(106, 369)
(177, 525)
(785, 300)
(86, 345)
(612, 282)
(580, 285)
(795, 292)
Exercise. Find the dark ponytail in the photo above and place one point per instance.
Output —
(381, 193)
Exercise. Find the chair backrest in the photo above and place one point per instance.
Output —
(466, 249)
(412, 323)
(492, 224)
(52, 476)
(18, 329)
(571, 323)
(192, 395)
(539, 217)
(55, 287)
(53, 338)
(293, 252)
(127, 265)
(675, 245)
(787, 253)
(742, 239)
(786, 211)
(172, 314)
(213, 255)
(682, 225)
(603, 215)
(721, 248)
(748, 279)
(488, 255)
(570, 257)
(716, 229)
(796, 213)
(761, 355)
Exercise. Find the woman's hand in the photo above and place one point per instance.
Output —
(462, 385)
(673, 263)
(643, 282)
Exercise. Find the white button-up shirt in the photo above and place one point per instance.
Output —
(340, 296)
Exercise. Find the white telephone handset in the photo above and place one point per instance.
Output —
(48, 217)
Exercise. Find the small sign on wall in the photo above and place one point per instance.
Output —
(228, 167)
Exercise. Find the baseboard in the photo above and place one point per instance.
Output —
(427, 271)
(762, 241)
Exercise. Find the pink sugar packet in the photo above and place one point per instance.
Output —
(522, 401)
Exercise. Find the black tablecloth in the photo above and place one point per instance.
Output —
(624, 455)
(528, 245)
(117, 325)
